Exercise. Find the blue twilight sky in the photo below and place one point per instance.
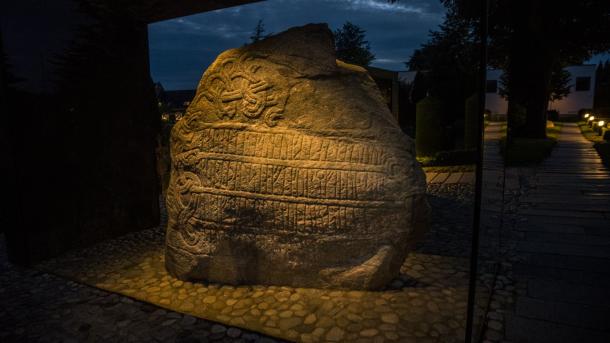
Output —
(181, 49)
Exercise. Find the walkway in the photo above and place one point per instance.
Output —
(450, 178)
(563, 240)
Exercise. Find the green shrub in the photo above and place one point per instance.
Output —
(471, 122)
(517, 117)
(552, 115)
(526, 151)
(529, 151)
(582, 111)
(449, 158)
(428, 126)
(455, 157)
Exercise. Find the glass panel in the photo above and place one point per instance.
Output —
(547, 179)
(225, 173)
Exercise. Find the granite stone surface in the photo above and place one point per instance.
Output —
(288, 169)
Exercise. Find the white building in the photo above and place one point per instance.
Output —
(582, 91)
(494, 103)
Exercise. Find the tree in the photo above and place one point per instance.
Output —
(602, 88)
(449, 62)
(559, 85)
(259, 32)
(530, 39)
(351, 46)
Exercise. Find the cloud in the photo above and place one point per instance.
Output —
(189, 24)
(382, 5)
(182, 48)
(388, 60)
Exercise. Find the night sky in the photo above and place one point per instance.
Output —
(181, 49)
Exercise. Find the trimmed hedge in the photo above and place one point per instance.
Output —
(428, 126)
(471, 122)
(552, 115)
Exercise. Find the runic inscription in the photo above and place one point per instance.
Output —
(299, 203)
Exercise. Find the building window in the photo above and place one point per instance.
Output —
(491, 86)
(582, 84)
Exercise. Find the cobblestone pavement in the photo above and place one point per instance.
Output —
(426, 303)
(555, 275)
(41, 307)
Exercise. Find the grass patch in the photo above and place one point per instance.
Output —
(602, 146)
(449, 158)
(503, 127)
(529, 151)
(553, 132)
(589, 133)
(451, 169)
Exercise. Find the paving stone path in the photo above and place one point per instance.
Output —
(450, 178)
(560, 242)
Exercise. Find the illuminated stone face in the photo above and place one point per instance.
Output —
(289, 169)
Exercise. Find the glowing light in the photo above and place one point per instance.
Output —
(587, 115)
(591, 118)
(601, 123)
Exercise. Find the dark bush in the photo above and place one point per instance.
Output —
(526, 151)
(455, 157)
(516, 118)
(428, 127)
(552, 115)
(582, 111)
(471, 122)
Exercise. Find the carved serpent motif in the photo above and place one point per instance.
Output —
(235, 90)
(186, 205)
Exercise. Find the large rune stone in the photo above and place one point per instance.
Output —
(289, 169)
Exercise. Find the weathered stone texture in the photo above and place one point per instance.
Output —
(289, 169)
